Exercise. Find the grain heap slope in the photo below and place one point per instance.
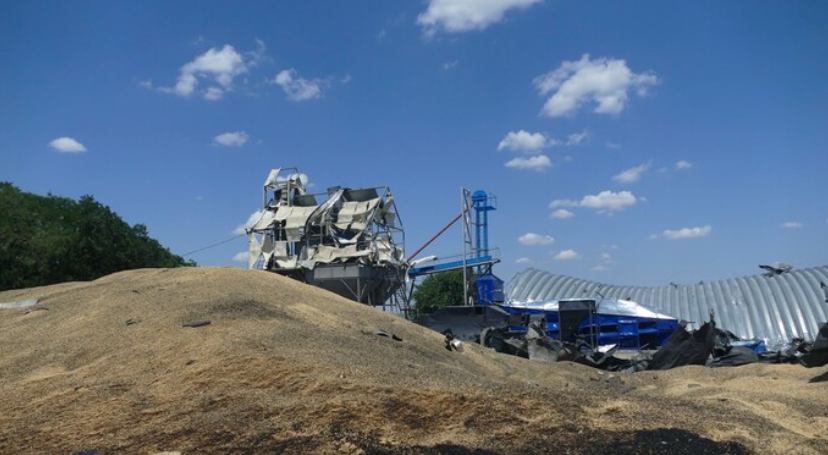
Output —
(287, 368)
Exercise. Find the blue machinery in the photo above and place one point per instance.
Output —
(599, 322)
(476, 255)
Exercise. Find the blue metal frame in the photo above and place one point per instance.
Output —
(434, 268)
(628, 332)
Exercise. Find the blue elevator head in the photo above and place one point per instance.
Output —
(482, 201)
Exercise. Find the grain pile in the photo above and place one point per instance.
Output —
(287, 368)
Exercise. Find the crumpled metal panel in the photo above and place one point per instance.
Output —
(774, 308)
(614, 307)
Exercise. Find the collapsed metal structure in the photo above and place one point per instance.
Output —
(348, 241)
(774, 307)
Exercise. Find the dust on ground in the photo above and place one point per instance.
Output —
(284, 368)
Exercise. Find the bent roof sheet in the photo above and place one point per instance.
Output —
(775, 308)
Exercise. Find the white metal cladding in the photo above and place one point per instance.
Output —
(775, 308)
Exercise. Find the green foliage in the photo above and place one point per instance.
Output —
(440, 290)
(50, 239)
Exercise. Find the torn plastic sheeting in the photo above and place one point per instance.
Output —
(18, 304)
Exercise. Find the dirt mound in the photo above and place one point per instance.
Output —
(287, 368)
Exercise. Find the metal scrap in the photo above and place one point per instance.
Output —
(18, 304)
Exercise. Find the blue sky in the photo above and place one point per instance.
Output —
(628, 142)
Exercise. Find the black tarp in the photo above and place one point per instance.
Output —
(817, 355)
(736, 356)
(685, 348)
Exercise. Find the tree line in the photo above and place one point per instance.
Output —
(51, 239)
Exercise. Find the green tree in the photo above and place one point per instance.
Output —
(440, 290)
(51, 239)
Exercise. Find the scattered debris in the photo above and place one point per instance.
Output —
(771, 309)
(824, 290)
(18, 304)
(777, 269)
(384, 333)
(195, 324)
(32, 310)
(131, 321)
(817, 354)
(452, 343)
(735, 357)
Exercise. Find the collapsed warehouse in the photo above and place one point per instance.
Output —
(775, 308)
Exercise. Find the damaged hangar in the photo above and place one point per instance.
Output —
(774, 307)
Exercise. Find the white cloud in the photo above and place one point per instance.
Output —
(251, 220)
(450, 65)
(631, 175)
(67, 145)
(524, 141)
(219, 65)
(532, 239)
(535, 163)
(577, 138)
(567, 255)
(792, 225)
(613, 145)
(232, 139)
(603, 201)
(564, 203)
(213, 94)
(603, 81)
(687, 233)
(297, 88)
(457, 16)
(606, 256)
(523, 261)
(562, 214)
(241, 257)
(683, 165)
(600, 268)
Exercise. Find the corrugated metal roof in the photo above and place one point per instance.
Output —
(775, 308)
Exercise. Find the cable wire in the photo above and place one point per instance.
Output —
(214, 245)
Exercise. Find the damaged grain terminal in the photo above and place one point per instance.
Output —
(314, 350)
(352, 242)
